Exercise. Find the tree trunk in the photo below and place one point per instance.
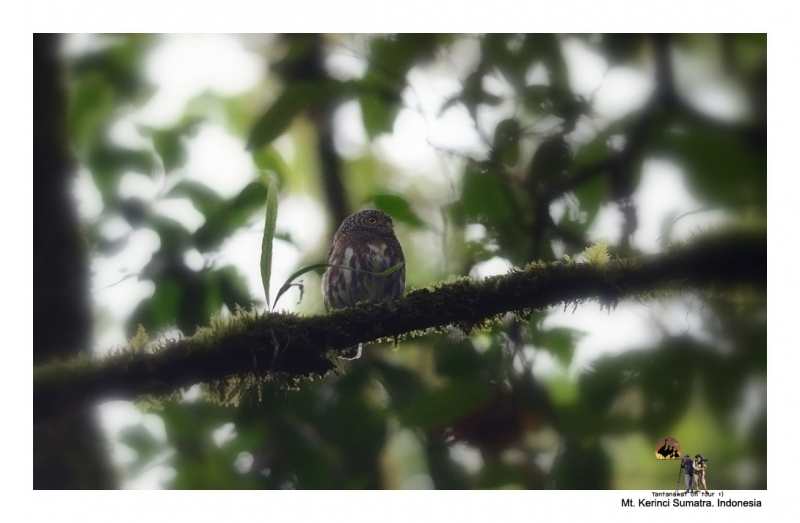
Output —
(70, 453)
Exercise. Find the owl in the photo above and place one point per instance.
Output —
(365, 241)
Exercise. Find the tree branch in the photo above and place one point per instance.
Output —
(259, 344)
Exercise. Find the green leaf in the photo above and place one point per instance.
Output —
(269, 232)
(591, 192)
(484, 196)
(645, 390)
(396, 54)
(499, 475)
(446, 404)
(666, 381)
(377, 113)
(506, 141)
(291, 101)
(590, 195)
(551, 160)
(621, 48)
(496, 50)
(721, 167)
(582, 468)
(142, 441)
(170, 144)
(108, 162)
(398, 208)
(90, 109)
(203, 197)
(402, 383)
(597, 254)
(268, 160)
(165, 301)
(229, 216)
(233, 291)
(593, 152)
(457, 359)
(391, 57)
(534, 97)
(473, 89)
(489, 200)
(548, 47)
(120, 63)
(445, 473)
(169, 147)
(600, 386)
(561, 342)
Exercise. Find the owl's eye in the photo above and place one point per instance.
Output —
(372, 221)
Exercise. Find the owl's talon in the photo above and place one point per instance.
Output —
(357, 356)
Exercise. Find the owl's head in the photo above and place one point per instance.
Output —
(371, 220)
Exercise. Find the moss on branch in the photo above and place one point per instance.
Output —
(239, 351)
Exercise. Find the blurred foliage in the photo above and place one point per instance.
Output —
(445, 411)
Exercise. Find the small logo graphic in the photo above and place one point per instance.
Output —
(668, 448)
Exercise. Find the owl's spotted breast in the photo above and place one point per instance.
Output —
(365, 242)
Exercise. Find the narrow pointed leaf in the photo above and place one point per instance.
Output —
(269, 233)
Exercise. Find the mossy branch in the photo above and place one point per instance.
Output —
(249, 346)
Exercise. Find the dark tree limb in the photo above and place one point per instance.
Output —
(290, 345)
(70, 453)
(309, 67)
